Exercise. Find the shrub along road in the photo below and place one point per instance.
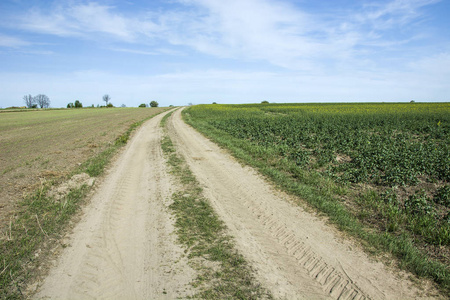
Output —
(124, 246)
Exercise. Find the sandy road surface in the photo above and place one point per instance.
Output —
(124, 247)
(295, 254)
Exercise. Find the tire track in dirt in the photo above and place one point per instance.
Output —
(296, 255)
(124, 247)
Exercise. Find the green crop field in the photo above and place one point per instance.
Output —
(379, 171)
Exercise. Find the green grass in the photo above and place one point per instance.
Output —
(261, 136)
(204, 235)
(40, 222)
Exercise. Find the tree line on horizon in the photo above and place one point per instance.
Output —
(40, 100)
(43, 101)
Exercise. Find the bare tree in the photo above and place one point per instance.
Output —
(42, 100)
(29, 101)
(106, 98)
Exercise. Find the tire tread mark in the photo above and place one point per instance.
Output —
(335, 283)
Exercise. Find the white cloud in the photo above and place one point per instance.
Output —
(396, 12)
(134, 51)
(83, 20)
(254, 29)
(12, 42)
(274, 31)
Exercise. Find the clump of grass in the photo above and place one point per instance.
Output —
(38, 223)
(226, 275)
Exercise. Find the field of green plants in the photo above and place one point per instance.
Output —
(379, 171)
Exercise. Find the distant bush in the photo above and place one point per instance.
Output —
(154, 104)
(143, 105)
(264, 102)
(70, 105)
(110, 105)
(78, 104)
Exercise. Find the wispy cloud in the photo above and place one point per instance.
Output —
(393, 13)
(12, 42)
(278, 32)
(286, 35)
(134, 51)
(83, 20)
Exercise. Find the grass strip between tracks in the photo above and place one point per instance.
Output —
(222, 272)
(41, 221)
(319, 194)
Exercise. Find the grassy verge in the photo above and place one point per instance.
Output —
(320, 193)
(223, 272)
(41, 221)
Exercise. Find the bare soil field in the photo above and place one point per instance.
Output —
(50, 144)
(124, 248)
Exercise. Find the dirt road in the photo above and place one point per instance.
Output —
(124, 247)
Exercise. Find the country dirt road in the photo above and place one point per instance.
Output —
(124, 247)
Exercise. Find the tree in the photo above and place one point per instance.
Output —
(143, 105)
(123, 105)
(29, 100)
(70, 105)
(106, 98)
(78, 104)
(265, 102)
(154, 104)
(42, 100)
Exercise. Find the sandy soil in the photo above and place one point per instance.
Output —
(124, 246)
(295, 254)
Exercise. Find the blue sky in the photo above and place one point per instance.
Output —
(235, 51)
